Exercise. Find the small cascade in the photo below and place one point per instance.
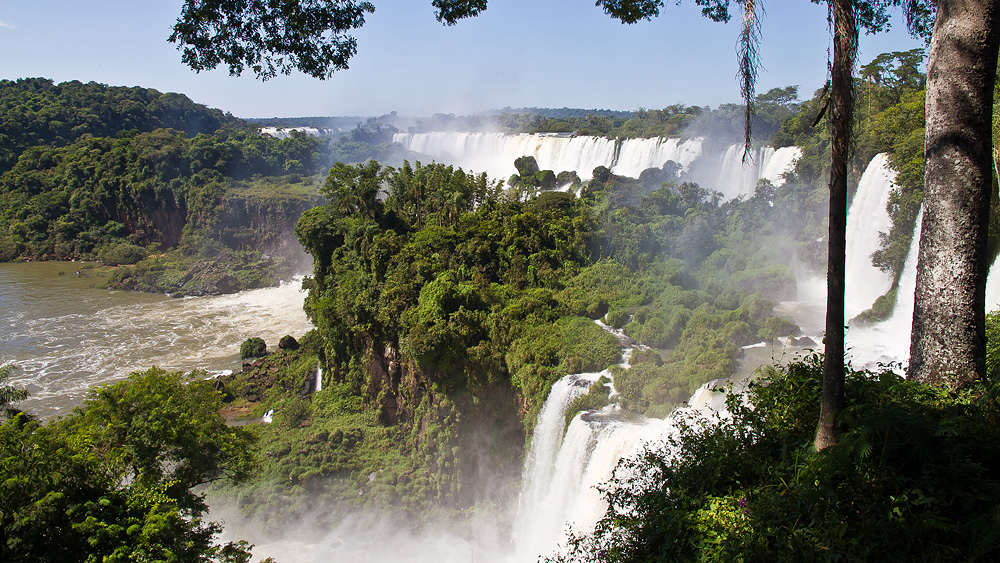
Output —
(866, 218)
(737, 177)
(319, 378)
(778, 163)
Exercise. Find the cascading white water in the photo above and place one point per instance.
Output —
(637, 155)
(565, 466)
(286, 132)
(889, 341)
(866, 218)
(319, 378)
(993, 287)
(778, 163)
(736, 177)
(494, 153)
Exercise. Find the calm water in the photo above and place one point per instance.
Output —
(64, 335)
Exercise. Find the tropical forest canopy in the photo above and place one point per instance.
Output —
(119, 174)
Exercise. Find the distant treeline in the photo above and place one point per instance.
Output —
(337, 123)
(564, 112)
(724, 124)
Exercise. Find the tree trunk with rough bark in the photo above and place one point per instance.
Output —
(845, 40)
(948, 339)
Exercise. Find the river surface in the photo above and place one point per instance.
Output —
(65, 335)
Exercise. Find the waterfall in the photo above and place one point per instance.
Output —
(565, 465)
(637, 155)
(319, 378)
(778, 163)
(494, 153)
(866, 218)
(736, 177)
(889, 341)
(286, 132)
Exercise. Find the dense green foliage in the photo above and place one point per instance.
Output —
(457, 287)
(36, 112)
(915, 477)
(446, 308)
(115, 480)
(269, 38)
(253, 347)
(124, 175)
(90, 166)
(329, 449)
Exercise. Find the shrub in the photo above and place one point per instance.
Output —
(595, 398)
(617, 319)
(294, 412)
(253, 348)
(122, 254)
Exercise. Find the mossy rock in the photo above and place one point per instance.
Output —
(253, 348)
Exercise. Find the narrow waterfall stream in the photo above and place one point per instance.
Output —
(889, 341)
(866, 218)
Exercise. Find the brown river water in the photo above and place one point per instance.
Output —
(64, 335)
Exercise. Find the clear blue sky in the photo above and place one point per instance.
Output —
(545, 53)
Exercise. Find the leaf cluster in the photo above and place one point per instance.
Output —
(269, 37)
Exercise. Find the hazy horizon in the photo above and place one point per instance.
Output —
(516, 54)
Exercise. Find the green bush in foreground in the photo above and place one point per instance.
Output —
(916, 477)
(121, 478)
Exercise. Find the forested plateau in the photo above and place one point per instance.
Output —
(184, 199)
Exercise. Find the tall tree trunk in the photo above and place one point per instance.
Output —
(948, 339)
(845, 40)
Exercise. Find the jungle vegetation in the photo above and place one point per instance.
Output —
(188, 199)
